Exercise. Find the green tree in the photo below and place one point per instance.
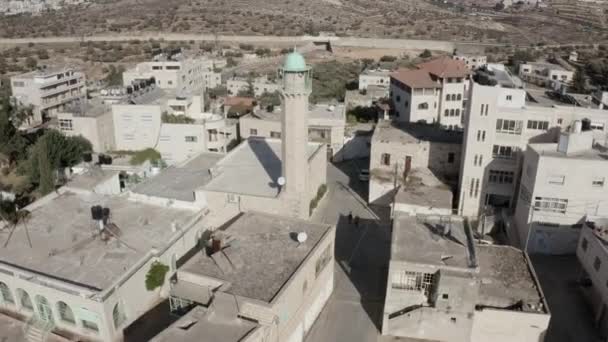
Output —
(31, 62)
(114, 77)
(579, 82)
(270, 100)
(388, 58)
(247, 92)
(46, 170)
(155, 277)
(426, 54)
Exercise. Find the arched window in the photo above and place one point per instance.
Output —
(453, 97)
(447, 112)
(25, 300)
(44, 309)
(447, 97)
(6, 297)
(65, 312)
(118, 316)
(451, 112)
(459, 97)
(423, 106)
(457, 112)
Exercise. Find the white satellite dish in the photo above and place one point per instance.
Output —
(281, 181)
(302, 237)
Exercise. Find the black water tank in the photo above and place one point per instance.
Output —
(585, 125)
(96, 212)
(87, 157)
(105, 214)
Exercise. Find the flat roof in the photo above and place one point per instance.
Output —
(421, 240)
(180, 181)
(547, 65)
(45, 72)
(92, 176)
(264, 252)
(550, 150)
(65, 243)
(205, 325)
(318, 111)
(252, 168)
(423, 192)
(90, 108)
(506, 278)
(376, 72)
(408, 133)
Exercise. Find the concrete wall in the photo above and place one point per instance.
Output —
(136, 127)
(174, 147)
(317, 171)
(377, 80)
(424, 154)
(507, 326)
(456, 89)
(356, 146)
(98, 130)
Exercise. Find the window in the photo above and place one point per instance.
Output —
(6, 297)
(253, 131)
(445, 296)
(509, 97)
(157, 67)
(89, 325)
(556, 179)
(477, 187)
(503, 152)
(547, 204)
(323, 260)
(423, 106)
(560, 121)
(508, 126)
(597, 126)
(481, 110)
(483, 136)
(451, 158)
(232, 198)
(65, 124)
(276, 135)
(459, 97)
(480, 159)
(172, 67)
(475, 161)
(597, 182)
(398, 98)
(451, 112)
(118, 316)
(65, 313)
(584, 244)
(25, 300)
(386, 159)
(413, 281)
(170, 82)
(501, 177)
(597, 263)
(472, 188)
(525, 195)
(191, 138)
(447, 112)
(486, 110)
(540, 125)
(457, 112)
(18, 84)
(447, 97)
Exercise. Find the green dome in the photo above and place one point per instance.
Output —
(295, 62)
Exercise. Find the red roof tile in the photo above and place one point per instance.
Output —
(445, 67)
(415, 78)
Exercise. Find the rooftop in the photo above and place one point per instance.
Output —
(500, 75)
(445, 66)
(264, 252)
(318, 111)
(409, 133)
(415, 78)
(45, 72)
(65, 243)
(179, 181)
(550, 150)
(91, 177)
(376, 72)
(503, 273)
(546, 65)
(204, 325)
(91, 108)
(252, 168)
(424, 189)
(421, 241)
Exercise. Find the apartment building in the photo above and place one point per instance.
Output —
(237, 297)
(91, 119)
(179, 73)
(399, 151)
(434, 92)
(48, 91)
(443, 286)
(374, 77)
(259, 85)
(545, 74)
(472, 61)
(562, 185)
(498, 130)
(325, 125)
(80, 264)
(592, 254)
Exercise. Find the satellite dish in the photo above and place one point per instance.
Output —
(281, 181)
(302, 237)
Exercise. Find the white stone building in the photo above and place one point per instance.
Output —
(592, 254)
(400, 150)
(472, 61)
(85, 276)
(435, 92)
(374, 77)
(325, 125)
(545, 74)
(259, 85)
(442, 286)
(238, 298)
(48, 90)
(90, 119)
(184, 75)
(497, 130)
(562, 185)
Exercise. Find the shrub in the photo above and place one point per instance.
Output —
(388, 59)
(315, 201)
(141, 156)
(426, 53)
(155, 277)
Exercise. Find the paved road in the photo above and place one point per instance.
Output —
(287, 40)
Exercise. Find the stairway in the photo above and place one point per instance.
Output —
(37, 330)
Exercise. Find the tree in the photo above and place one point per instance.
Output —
(426, 54)
(270, 100)
(155, 277)
(45, 170)
(247, 92)
(579, 82)
(31, 62)
(114, 77)
(218, 91)
(388, 59)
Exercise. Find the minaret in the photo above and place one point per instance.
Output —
(297, 86)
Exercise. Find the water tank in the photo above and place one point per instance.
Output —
(96, 212)
(87, 157)
(585, 125)
(129, 90)
(105, 214)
